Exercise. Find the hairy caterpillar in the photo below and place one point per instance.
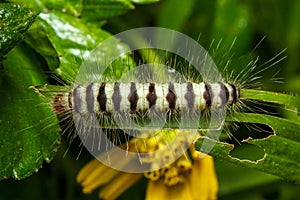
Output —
(148, 98)
(110, 101)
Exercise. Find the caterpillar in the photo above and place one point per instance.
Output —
(134, 97)
(140, 109)
(122, 100)
(148, 98)
(175, 103)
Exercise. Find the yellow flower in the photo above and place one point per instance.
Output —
(180, 173)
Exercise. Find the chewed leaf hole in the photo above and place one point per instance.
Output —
(243, 131)
(247, 152)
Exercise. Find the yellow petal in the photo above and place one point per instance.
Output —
(203, 180)
(95, 174)
(158, 190)
(86, 170)
(99, 177)
(119, 185)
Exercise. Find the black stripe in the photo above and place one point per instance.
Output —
(151, 96)
(224, 94)
(101, 98)
(116, 97)
(227, 93)
(70, 100)
(90, 98)
(133, 96)
(171, 97)
(77, 99)
(190, 96)
(233, 94)
(206, 95)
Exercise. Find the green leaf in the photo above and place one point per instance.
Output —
(95, 10)
(282, 149)
(37, 38)
(89, 10)
(73, 7)
(273, 97)
(64, 40)
(29, 132)
(290, 103)
(14, 22)
(236, 179)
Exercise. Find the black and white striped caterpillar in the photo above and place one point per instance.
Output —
(140, 102)
(102, 98)
(154, 95)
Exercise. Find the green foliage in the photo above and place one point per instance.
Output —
(30, 132)
(280, 155)
(14, 22)
(26, 139)
(58, 33)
